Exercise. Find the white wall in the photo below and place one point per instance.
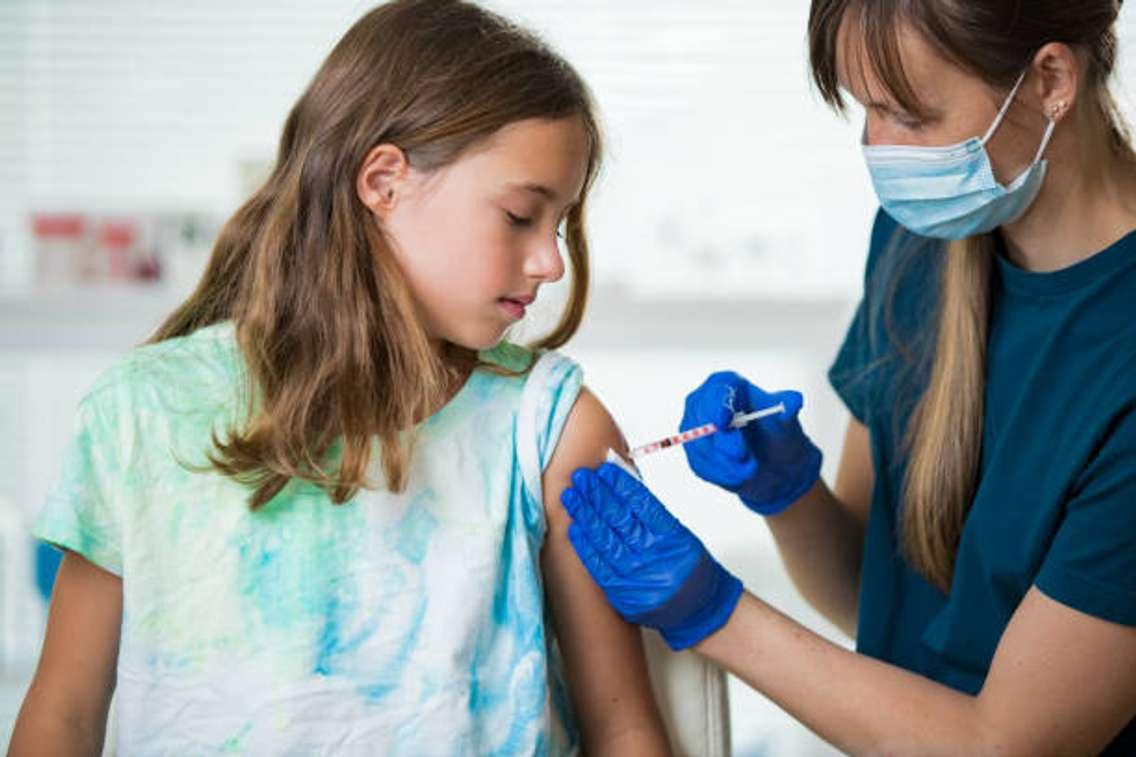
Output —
(122, 105)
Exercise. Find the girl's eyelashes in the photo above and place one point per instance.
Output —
(525, 222)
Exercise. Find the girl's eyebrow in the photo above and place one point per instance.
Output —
(539, 189)
(546, 192)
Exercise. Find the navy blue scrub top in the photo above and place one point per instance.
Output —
(1056, 500)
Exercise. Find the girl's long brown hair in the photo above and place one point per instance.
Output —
(336, 356)
(996, 40)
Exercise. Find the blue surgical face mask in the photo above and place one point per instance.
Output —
(950, 192)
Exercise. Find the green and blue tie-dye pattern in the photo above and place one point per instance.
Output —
(408, 623)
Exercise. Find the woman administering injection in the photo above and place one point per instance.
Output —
(979, 547)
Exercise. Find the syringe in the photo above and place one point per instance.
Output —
(739, 420)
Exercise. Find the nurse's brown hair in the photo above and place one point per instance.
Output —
(995, 40)
(336, 355)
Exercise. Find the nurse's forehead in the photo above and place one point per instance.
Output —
(921, 64)
(864, 86)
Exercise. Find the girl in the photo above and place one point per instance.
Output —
(980, 543)
(314, 514)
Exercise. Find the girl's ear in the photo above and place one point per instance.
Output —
(382, 176)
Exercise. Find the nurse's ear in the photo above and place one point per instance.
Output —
(1057, 70)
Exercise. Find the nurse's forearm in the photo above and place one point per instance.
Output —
(821, 544)
(857, 703)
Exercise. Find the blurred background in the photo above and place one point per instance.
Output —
(729, 230)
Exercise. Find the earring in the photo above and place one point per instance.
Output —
(1056, 111)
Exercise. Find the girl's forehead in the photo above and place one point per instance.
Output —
(537, 137)
(543, 152)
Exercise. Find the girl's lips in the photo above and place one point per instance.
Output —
(515, 308)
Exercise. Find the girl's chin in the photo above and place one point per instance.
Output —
(478, 342)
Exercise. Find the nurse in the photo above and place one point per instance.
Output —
(980, 539)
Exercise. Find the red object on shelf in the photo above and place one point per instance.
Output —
(117, 234)
(117, 239)
(58, 225)
(60, 242)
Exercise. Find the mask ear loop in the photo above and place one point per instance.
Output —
(1045, 140)
(1005, 109)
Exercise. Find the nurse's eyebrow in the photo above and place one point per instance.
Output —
(884, 105)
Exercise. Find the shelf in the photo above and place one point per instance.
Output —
(94, 318)
(116, 318)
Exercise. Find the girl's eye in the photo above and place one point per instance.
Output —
(562, 230)
(517, 220)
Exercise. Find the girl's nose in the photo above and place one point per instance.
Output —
(544, 261)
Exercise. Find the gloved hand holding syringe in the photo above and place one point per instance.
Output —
(769, 465)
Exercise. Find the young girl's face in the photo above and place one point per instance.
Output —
(477, 238)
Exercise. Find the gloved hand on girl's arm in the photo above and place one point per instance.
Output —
(652, 569)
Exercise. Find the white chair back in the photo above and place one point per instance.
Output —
(693, 698)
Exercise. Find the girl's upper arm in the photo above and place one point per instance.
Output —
(603, 654)
(75, 678)
(855, 477)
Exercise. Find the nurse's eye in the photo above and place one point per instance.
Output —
(517, 220)
(901, 118)
(913, 122)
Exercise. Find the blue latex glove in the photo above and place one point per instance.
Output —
(653, 570)
(770, 463)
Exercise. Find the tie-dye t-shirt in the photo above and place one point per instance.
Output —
(406, 624)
